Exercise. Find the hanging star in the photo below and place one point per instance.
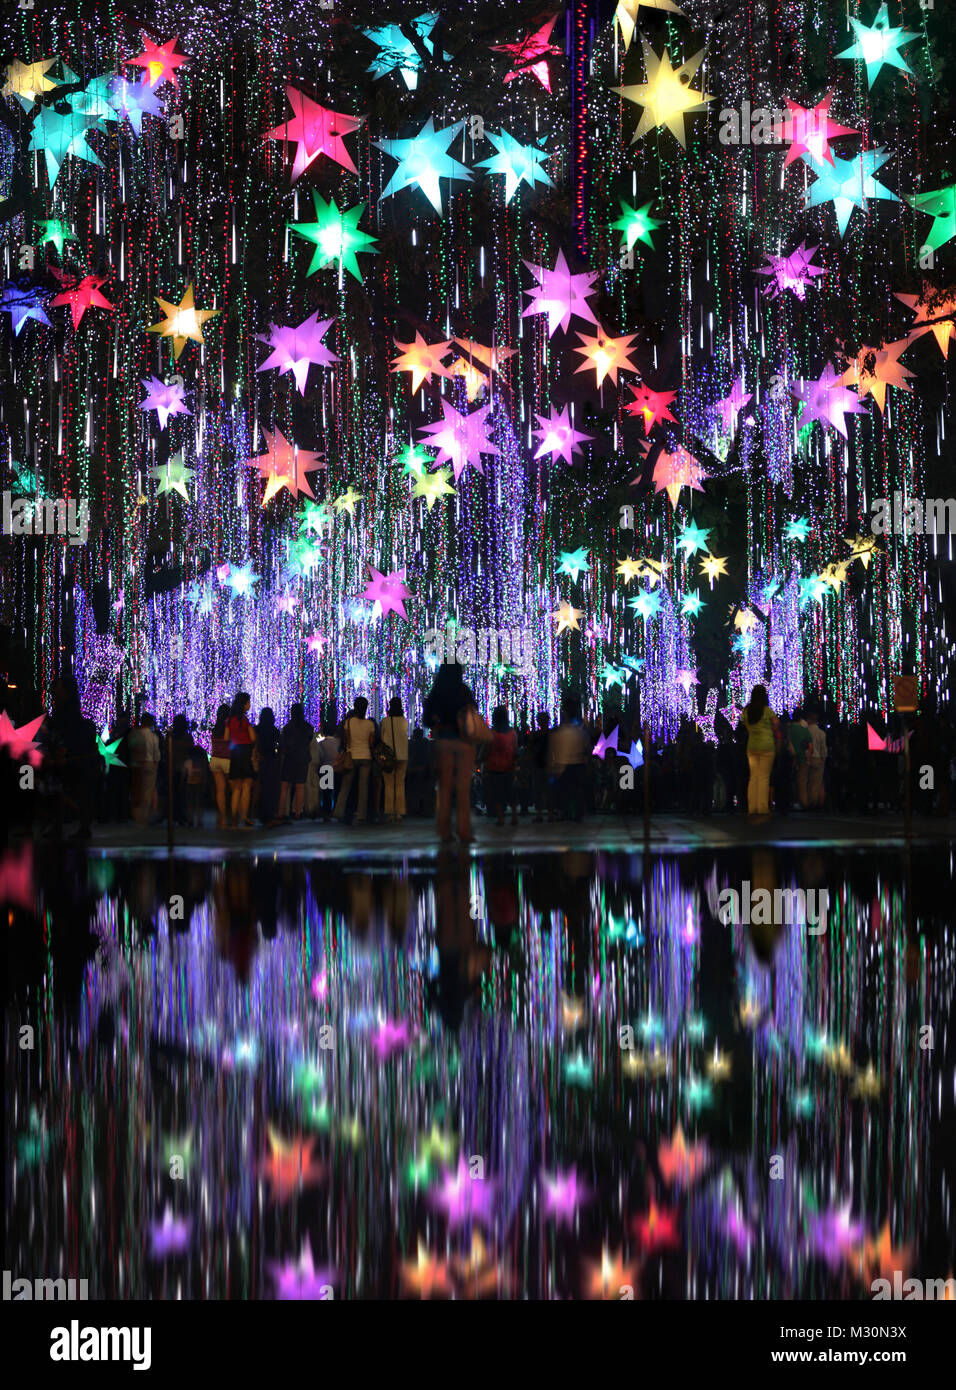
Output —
(315, 130)
(336, 236)
(558, 436)
(572, 562)
(242, 581)
(160, 62)
(170, 1236)
(647, 603)
(426, 1275)
(421, 359)
(477, 378)
(423, 161)
(133, 101)
(692, 538)
(58, 134)
(531, 54)
(685, 679)
(809, 132)
(677, 470)
(729, 408)
(681, 1163)
(316, 643)
(460, 439)
(80, 294)
(27, 81)
(795, 272)
(397, 52)
(18, 743)
(848, 184)
(691, 604)
(625, 16)
(183, 321)
(464, 1198)
(432, 486)
(315, 519)
(56, 231)
(653, 570)
(658, 1230)
(606, 356)
(173, 476)
(613, 675)
(290, 1167)
(811, 590)
(744, 620)
(285, 465)
(797, 529)
(610, 1278)
(606, 745)
(650, 406)
(667, 96)
(862, 547)
(559, 294)
(713, 566)
(578, 1070)
(165, 398)
(941, 206)
(22, 304)
(519, 163)
(875, 368)
(346, 501)
(296, 348)
(566, 616)
(562, 1194)
(878, 45)
(300, 1281)
(635, 755)
(834, 1237)
(636, 224)
(413, 459)
(834, 575)
(94, 99)
(387, 590)
(826, 400)
(935, 313)
(107, 750)
(631, 569)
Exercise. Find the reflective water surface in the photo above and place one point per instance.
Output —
(545, 1076)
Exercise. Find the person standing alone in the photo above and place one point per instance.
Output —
(763, 730)
(358, 736)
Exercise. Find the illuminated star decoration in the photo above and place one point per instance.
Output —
(397, 52)
(613, 675)
(875, 368)
(797, 529)
(389, 591)
(848, 184)
(27, 81)
(606, 356)
(680, 1162)
(166, 399)
(463, 1198)
(295, 349)
(80, 294)
(609, 1277)
(562, 1194)
(826, 400)
(811, 590)
(559, 294)
(107, 750)
(935, 313)
(134, 100)
(423, 161)
(691, 604)
(625, 16)
(795, 272)
(56, 231)
(242, 581)
(862, 548)
(713, 566)
(647, 603)
(460, 439)
(336, 236)
(421, 359)
(606, 745)
(650, 406)
(878, 45)
(658, 1230)
(834, 1237)
(290, 1166)
(636, 224)
(531, 54)
(58, 134)
(692, 538)
(431, 486)
(566, 616)
(635, 756)
(183, 321)
(558, 436)
(730, 407)
(160, 62)
(475, 378)
(300, 1280)
(316, 642)
(413, 459)
(572, 562)
(315, 130)
(172, 476)
(285, 466)
(22, 305)
(809, 131)
(677, 470)
(346, 501)
(169, 1236)
(519, 163)
(686, 679)
(941, 206)
(667, 96)
(18, 743)
(426, 1275)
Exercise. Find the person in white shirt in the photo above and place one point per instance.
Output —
(358, 736)
(394, 733)
(816, 761)
(143, 748)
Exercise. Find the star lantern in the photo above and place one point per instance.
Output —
(336, 236)
(423, 161)
(285, 466)
(531, 54)
(80, 294)
(296, 348)
(650, 406)
(878, 45)
(667, 96)
(560, 294)
(875, 368)
(165, 398)
(183, 321)
(605, 356)
(460, 439)
(160, 62)
(388, 590)
(315, 130)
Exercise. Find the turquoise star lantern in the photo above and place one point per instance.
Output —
(848, 184)
(59, 134)
(812, 590)
(107, 751)
(519, 163)
(423, 162)
(878, 46)
(397, 52)
(647, 603)
(941, 206)
(797, 530)
(572, 562)
(692, 539)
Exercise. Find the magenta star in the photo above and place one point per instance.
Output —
(460, 439)
(19, 742)
(390, 1037)
(316, 641)
(165, 399)
(826, 400)
(730, 406)
(389, 590)
(560, 294)
(562, 1194)
(463, 1198)
(834, 1237)
(294, 349)
(606, 745)
(558, 436)
(300, 1280)
(169, 1236)
(80, 294)
(315, 130)
(287, 603)
(795, 272)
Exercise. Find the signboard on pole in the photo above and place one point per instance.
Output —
(904, 693)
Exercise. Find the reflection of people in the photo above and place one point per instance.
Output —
(447, 700)
(763, 730)
(461, 958)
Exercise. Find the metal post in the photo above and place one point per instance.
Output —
(169, 778)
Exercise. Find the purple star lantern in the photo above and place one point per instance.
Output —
(795, 272)
(390, 1037)
(295, 349)
(562, 1194)
(300, 1280)
(388, 590)
(826, 400)
(730, 407)
(833, 1237)
(463, 1198)
(560, 294)
(166, 398)
(558, 436)
(134, 100)
(460, 439)
(169, 1236)
(606, 745)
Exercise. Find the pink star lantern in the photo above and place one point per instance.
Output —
(463, 1198)
(730, 407)
(80, 294)
(19, 742)
(301, 1281)
(294, 349)
(676, 470)
(16, 877)
(388, 590)
(285, 466)
(650, 406)
(562, 1194)
(558, 436)
(390, 1037)
(316, 642)
(316, 130)
(795, 272)
(222, 573)
(286, 603)
(606, 745)
(809, 131)
(826, 400)
(160, 61)
(686, 679)
(165, 398)
(460, 439)
(531, 54)
(560, 294)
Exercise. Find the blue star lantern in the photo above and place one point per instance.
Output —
(58, 135)
(134, 100)
(848, 184)
(572, 562)
(22, 305)
(423, 160)
(797, 530)
(691, 604)
(519, 163)
(647, 603)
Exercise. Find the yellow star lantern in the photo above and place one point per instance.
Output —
(866, 1084)
(631, 569)
(625, 16)
(421, 359)
(713, 566)
(425, 1275)
(285, 465)
(431, 486)
(567, 617)
(834, 575)
(653, 1064)
(607, 356)
(745, 620)
(935, 312)
(610, 1277)
(718, 1067)
(862, 548)
(183, 321)
(347, 501)
(667, 96)
(875, 368)
(27, 81)
(477, 380)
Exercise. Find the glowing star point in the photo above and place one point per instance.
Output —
(561, 294)
(558, 437)
(166, 398)
(808, 132)
(465, 1199)
(80, 294)
(530, 55)
(423, 162)
(183, 321)
(519, 163)
(667, 96)
(173, 476)
(160, 62)
(460, 439)
(432, 486)
(636, 224)
(296, 348)
(55, 231)
(714, 566)
(606, 356)
(346, 501)
(315, 130)
(389, 591)
(562, 1194)
(878, 45)
(285, 466)
(572, 562)
(336, 236)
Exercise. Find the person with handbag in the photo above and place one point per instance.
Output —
(457, 728)
(358, 738)
(242, 770)
(391, 753)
